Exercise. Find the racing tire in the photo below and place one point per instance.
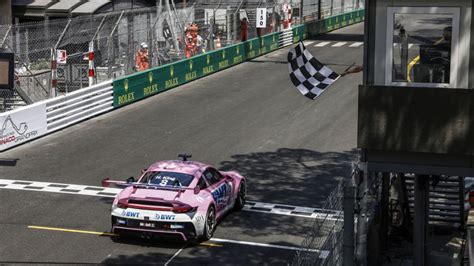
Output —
(240, 200)
(210, 224)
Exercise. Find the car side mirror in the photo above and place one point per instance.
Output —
(131, 179)
(197, 189)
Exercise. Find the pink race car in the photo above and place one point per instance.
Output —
(176, 198)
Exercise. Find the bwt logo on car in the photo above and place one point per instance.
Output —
(221, 193)
(168, 217)
(130, 214)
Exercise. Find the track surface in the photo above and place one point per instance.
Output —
(249, 118)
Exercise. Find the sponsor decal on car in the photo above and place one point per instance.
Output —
(221, 193)
(130, 214)
(166, 217)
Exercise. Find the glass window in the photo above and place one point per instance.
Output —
(202, 183)
(216, 174)
(166, 179)
(420, 42)
(211, 176)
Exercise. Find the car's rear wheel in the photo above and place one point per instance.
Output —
(210, 224)
(240, 200)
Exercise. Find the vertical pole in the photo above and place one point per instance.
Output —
(211, 29)
(234, 28)
(405, 205)
(462, 213)
(403, 54)
(228, 24)
(331, 10)
(301, 12)
(361, 252)
(172, 24)
(421, 216)
(150, 39)
(348, 242)
(17, 38)
(90, 56)
(319, 10)
(54, 73)
(342, 6)
(384, 210)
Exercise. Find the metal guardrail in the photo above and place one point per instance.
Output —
(285, 38)
(79, 105)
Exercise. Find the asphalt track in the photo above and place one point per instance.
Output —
(248, 118)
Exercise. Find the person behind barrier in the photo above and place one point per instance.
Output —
(142, 58)
(244, 28)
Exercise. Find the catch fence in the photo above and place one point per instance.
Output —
(103, 46)
(323, 244)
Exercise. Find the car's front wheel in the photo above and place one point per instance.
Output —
(240, 200)
(210, 224)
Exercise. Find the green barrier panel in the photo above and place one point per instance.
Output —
(137, 86)
(299, 33)
(334, 22)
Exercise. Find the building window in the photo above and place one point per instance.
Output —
(421, 46)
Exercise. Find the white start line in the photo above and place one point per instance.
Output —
(279, 209)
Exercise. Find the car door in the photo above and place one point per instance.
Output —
(219, 187)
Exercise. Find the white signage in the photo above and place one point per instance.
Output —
(22, 125)
(261, 18)
(62, 56)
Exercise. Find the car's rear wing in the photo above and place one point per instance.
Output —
(106, 182)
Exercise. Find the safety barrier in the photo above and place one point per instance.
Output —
(32, 121)
(134, 87)
(328, 24)
(129, 89)
(79, 105)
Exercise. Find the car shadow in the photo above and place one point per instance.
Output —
(298, 177)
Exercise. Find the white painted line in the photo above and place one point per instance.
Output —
(308, 42)
(262, 207)
(338, 44)
(356, 44)
(321, 44)
(175, 254)
(320, 216)
(323, 253)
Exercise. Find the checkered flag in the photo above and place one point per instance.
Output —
(310, 77)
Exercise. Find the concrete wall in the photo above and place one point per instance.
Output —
(464, 36)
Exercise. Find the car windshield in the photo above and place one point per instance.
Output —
(167, 179)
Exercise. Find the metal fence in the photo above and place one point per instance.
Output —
(115, 38)
(326, 235)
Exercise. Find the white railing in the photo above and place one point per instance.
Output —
(79, 105)
(285, 38)
(42, 118)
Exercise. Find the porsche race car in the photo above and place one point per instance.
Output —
(177, 198)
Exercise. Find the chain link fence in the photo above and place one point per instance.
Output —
(115, 38)
(326, 235)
